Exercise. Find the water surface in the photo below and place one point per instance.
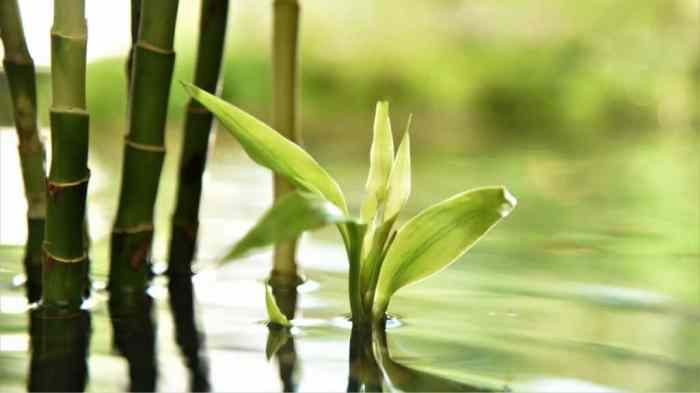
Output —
(592, 284)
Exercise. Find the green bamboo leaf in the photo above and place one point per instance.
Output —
(274, 314)
(381, 157)
(399, 187)
(437, 237)
(292, 214)
(270, 149)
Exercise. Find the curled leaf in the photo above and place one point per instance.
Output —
(399, 187)
(381, 157)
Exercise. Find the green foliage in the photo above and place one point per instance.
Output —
(382, 260)
(437, 237)
(270, 149)
(291, 215)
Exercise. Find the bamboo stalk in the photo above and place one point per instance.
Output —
(60, 329)
(183, 239)
(285, 93)
(21, 76)
(130, 263)
(135, 21)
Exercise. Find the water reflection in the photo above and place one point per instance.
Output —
(60, 340)
(134, 337)
(407, 379)
(187, 335)
(280, 341)
(372, 368)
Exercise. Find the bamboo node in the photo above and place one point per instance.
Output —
(143, 146)
(52, 185)
(58, 34)
(68, 109)
(51, 257)
(29, 148)
(153, 48)
(17, 61)
(133, 229)
(188, 226)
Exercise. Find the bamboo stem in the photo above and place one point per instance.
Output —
(64, 245)
(130, 262)
(183, 239)
(285, 93)
(60, 329)
(135, 21)
(21, 76)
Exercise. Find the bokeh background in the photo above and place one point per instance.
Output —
(588, 111)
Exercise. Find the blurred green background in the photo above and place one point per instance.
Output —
(474, 72)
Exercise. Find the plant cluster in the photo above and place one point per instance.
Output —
(382, 258)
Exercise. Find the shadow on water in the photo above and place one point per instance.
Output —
(59, 342)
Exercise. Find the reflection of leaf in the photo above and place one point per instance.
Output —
(291, 215)
(273, 311)
(276, 338)
(437, 237)
(411, 380)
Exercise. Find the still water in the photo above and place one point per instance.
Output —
(592, 284)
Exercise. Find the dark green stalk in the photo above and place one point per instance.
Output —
(285, 93)
(21, 76)
(60, 329)
(64, 246)
(132, 234)
(135, 21)
(183, 239)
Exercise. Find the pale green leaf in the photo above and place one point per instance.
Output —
(381, 157)
(291, 215)
(399, 187)
(437, 237)
(270, 149)
(274, 315)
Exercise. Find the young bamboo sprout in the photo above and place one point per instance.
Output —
(183, 238)
(382, 259)
(19, 68)
(60, 329)
(130, 264)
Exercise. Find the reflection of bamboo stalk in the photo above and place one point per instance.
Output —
(284, 115)
(130, 265)
(60, 330)
(183, 240)
(19, 68)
